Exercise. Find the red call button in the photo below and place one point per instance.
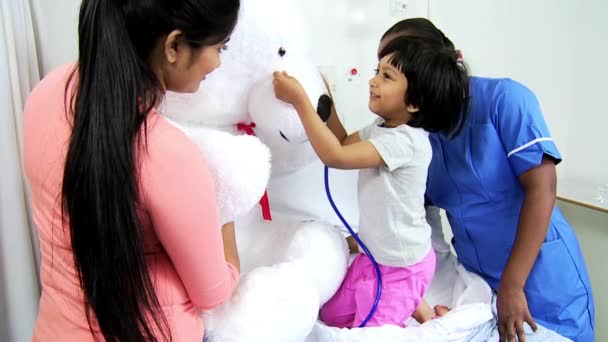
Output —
(353, 71)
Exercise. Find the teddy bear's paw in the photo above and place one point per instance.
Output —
(244, 176)
(263, 243)
(271, 304)
(323, 253)
(240, 166)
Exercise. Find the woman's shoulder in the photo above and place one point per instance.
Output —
(166, 155)
(59, 75)
(61, 72)
(164, 138)
(51, 85)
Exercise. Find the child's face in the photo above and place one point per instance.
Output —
(387, 91)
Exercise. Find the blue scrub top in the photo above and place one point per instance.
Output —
(474, 177)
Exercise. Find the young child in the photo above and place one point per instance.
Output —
(418, 88)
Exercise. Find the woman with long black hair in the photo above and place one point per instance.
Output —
(124, 204)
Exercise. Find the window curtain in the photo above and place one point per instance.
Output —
(19, 258)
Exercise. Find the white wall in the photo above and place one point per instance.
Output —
(587, 143)
(56, 30)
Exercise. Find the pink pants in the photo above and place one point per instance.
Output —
(402, 291)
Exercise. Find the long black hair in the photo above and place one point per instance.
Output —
(114, 89)
(437, 82)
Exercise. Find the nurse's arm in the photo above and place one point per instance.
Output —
(348, 153)
(539, 185)
(336, 127)
(334, 124)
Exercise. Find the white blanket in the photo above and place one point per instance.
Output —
(473, 317)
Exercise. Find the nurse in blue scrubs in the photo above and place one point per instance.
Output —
(496, 181)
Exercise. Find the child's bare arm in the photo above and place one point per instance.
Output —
(351, 153)
(331, 151)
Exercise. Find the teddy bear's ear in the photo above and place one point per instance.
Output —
(324, 107)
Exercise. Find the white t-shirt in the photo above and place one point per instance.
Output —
(392, 219)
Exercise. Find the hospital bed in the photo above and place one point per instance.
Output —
(472, 318)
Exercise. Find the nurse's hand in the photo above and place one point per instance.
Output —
(513, 311)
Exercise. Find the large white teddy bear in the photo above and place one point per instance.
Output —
(294, 263)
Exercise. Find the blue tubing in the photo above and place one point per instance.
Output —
(369, 255)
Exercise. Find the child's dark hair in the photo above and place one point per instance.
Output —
(438, 82)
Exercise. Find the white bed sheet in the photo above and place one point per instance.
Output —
(473, 317)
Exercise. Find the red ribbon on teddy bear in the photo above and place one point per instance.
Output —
(248, 129)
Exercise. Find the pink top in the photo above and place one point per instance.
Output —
(182, 234)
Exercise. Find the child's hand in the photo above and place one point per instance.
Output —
(288, 89)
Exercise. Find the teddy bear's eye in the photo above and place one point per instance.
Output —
(281, 51)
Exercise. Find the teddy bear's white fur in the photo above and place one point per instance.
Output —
(293, 264)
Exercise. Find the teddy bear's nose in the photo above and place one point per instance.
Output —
(282, 51)
(324, 107)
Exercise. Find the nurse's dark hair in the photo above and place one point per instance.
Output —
(418, 27)
(438, 82)
(114, 89)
